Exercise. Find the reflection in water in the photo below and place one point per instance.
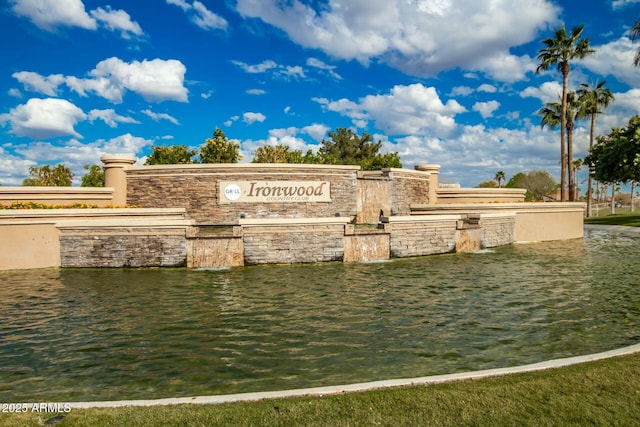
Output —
(102, 334)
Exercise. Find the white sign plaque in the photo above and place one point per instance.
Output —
(274, 191)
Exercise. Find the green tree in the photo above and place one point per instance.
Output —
(538, 184)
(386, 160)
(615, 158)
(93, 177)
(593, 99)
(499, 177)
(170, 155)
(282, 153)
(488, 184)
(344, 147)
(220, 149)
(560, 50)
(271, 154)
(58, 176)
(309, 157)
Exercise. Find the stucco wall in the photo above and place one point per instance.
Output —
(57, 195)
(28, 244)
(480, 195)
(538, 224)
(534, 222)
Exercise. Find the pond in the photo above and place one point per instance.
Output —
(107, 334)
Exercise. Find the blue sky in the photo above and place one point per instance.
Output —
(449, 82)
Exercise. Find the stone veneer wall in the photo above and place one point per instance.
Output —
(419, 238)
(408, 188)
(391, 191)
(374, 195)
(122, 247)
(215, 247)
(195, 187)
(497, 230)
(296, 243)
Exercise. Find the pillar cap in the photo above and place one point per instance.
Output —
(428, 168)
(118, 158)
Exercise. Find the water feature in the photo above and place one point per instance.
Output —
(103, 334)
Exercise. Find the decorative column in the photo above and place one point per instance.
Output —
(115, 176)
(434, 171)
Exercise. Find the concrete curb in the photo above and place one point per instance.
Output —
(321, 391)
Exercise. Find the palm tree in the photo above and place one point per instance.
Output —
(499, 177)
(593, 98)
(559, 50)
(552, 116)
(574, 111)
(635, 33)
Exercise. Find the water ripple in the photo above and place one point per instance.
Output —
(102, 334)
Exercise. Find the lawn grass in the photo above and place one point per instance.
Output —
(630, 220)
(605, 392)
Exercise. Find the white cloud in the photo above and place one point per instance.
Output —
(329, 69)
(155, 80)
(75, 154)
(231, 120)
(160, 116)
(487, 88)
(13, 169)
(486, 109)
(110, 117)
(615, 58)
(47, 85)
(413, 109)
(461, 90)
(14, 92)
(269, 66)
(180, 3)
(467, 157)
(316, 131)
(617, 4)
(48, 14)
(117, 20)
(293, 71)
(206, 19)
(283, 136)
(415, 36)
(250, 118)
(505, 67)
(546, 92)
(262, 67)
(44, 118)
(256, 92)
(200, 15)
